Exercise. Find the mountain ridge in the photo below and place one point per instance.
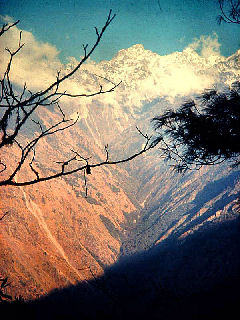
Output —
(142, 199)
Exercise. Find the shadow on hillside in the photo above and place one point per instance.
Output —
(209, 192)
(198, 278)
(156, 223)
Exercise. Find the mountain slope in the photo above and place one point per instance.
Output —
(53, 235)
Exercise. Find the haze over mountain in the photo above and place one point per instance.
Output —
(54, 236)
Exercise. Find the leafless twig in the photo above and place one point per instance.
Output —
(4, 215)
(19, 108)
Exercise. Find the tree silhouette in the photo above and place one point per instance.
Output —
(206, 131)
(202, 132)
(16, 109)
(230, 11)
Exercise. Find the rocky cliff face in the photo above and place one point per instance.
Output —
(53, 235)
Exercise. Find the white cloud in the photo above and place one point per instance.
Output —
(171, 75)
(207, 45)
(181, 40)
(36, 63)
(6, 19)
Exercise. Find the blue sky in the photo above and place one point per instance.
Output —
(163, 26)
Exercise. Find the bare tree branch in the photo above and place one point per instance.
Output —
(86, 167)
(107, 153)
(18, 108)
(3, 165)
(230, 11)
(7, 26)
(40, 98)
(4, 215)
(31, 166)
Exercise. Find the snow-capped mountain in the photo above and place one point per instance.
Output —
(136, 64)
(53, 235)
(146, 76)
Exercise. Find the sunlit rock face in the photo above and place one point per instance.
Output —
(53, 235)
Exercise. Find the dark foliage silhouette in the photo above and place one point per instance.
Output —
(4, 285)
(202, 132)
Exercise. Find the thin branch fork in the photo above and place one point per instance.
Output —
(107, 153)
(3, 165)
(52, 130)
(84, 167)
(25, 106)
(67, 162)
(4, 215)
(147, 138)
(7, 26)
(31, 166)
(40, 98)
(32, 144)
(58, 79)
(100, 91)
(86, 56)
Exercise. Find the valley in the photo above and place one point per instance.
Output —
(53, 236)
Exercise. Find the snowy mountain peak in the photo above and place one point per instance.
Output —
(136, 47)
(134, 52)
(146, 76)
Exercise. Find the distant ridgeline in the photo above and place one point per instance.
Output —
(53, 236)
